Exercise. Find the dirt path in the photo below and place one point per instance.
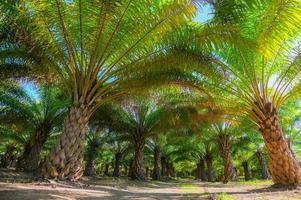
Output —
(249, 191)
(123, 189)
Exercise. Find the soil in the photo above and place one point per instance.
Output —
(19, 186)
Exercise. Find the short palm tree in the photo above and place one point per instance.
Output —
(95, 138)
(34, 115)
(136, 121)
(154, 146)
(224, 138)
(119, 147)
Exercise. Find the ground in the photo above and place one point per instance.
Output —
(11, 188)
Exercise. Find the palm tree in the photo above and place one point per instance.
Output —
(21, 56)
(265, 174)
(98, 45)
(36, 115)
(96, 138)
(154, 145)
(224, 139)
(92, 44)
(253, 144)
(209, 152)
(244, 151)
(6, 160)
(261, 68)
(137, 120)
(119, 147)
(265, 78)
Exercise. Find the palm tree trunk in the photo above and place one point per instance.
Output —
(168, 169)
(156, 175)
(130, 167)
(126, 170)
(66, 159)
(31, 155)
(264, 169)
(89, 170)
(198, 172)
(173, 171)
(208, 159)
(8, 157)
(203, 175)
(137, 165)
(146, 172)
(118, 157)
(92, 150)
(245, 165)
(163, 166)
(224, 146)
(284, 167)
(106, 171)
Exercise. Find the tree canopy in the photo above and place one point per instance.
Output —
(141, 86)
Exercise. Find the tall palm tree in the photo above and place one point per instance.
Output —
(36, 115)
(261, 69)
(92, 44)
(96, 46)
(264, 79)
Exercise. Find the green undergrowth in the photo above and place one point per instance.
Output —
(224, 196)
(188, 188)
(256, 182)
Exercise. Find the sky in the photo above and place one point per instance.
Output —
(30, 88)
(204, 13)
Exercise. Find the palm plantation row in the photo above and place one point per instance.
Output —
(138, 80)
(111, 142)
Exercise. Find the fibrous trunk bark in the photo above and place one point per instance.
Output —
(163, 166)
(208, 159)
(118, 157)
(130, 167)
(173, 171)
(89, 170)
(247, 175)
(106, 171)
(146, 172)
(92, 151)
(137, 165)
(156, 175)
(198, 172)
(126, 170)
(225, 151)
(284, 167)
(8, 157)
(31, 155)
(168, 168)
(66, 159)
(203, 175)
(264, 169)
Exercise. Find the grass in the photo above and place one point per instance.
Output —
(188, 188)
(224, 196)
(256, 182)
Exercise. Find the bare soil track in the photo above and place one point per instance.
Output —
(17, 186)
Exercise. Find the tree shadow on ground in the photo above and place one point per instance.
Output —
(11, 193)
